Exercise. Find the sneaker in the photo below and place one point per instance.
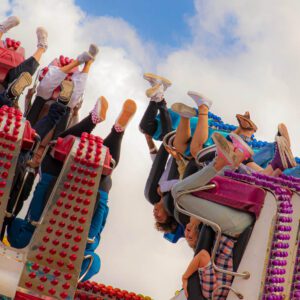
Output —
(93, 50)
(184, 110)
(98, 113)
(155, 93)
(283, 131)
(84, 57)
(9, 23)
(283, 158)
(226, 150)
(200, 99)
(19, 85)
(291, 162)
(66, 91)
(155, 79)
(241, 145)
(128, 111)
(42, 37)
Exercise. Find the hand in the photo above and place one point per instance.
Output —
(159, 191)
(184, 286)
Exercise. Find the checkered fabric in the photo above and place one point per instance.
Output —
(210, 279)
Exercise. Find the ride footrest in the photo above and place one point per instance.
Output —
(57, 248)
(11, 132)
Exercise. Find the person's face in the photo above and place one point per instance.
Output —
(159, 212)
(191, 232)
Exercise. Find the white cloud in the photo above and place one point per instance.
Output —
(245, 56)
(258, 72)
(129, 239)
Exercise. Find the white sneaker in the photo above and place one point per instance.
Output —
(9, 23)
(200, 99)
(156, 93)
(84, 57)
(93, 50)
(155, 79)
(42, 37)
(184, 110)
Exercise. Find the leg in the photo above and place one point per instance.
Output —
(113, 141)
(29, 65)
(151, 146)
(231, 221)
(148, 124)
(165, 118)
(62, 124)
(100, 215)
(97, 115)
(56, 112)
(35, 110)
(85, 125)
(183, 134)
(20, 231)
(201, 133)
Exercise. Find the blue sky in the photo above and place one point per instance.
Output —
(161, 21)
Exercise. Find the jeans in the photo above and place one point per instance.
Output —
(34, 112)
(56, 112)
(264, 155)
(231, 221)
(20, 231)
(4, 100)
(29, 65)
(149, 122)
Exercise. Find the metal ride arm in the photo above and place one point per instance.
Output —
(215, 227)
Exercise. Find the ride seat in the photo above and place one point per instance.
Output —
(251, 200)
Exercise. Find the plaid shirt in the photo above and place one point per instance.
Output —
(210, 279)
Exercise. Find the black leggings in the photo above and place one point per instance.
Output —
(29, 65)
(148, 124)
(113, 141)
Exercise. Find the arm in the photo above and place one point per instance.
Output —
(200, 260)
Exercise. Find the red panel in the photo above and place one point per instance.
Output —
(107, 170)
(9, 58)
(23, 296)
(28, 137)
(63, 147)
